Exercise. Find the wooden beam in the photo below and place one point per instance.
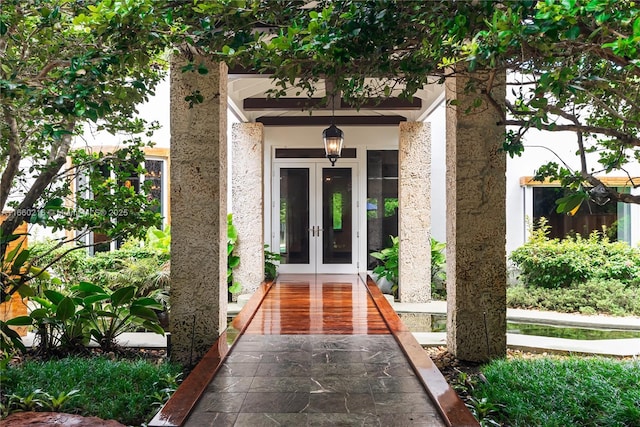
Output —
(303, 104)
(326, 120)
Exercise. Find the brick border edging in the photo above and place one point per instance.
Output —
(177, 409)
(452, 409)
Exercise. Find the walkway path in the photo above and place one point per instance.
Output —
(319, 351)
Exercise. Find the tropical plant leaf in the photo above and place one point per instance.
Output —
(123, 295)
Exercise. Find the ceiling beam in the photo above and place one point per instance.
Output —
(301, 104)
(326, 120)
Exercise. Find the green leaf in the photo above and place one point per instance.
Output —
(94, 298)
(39, 313)
(143, 313)
(53, 296)
(235, 288)
(573, 32)
(26, 291)
(636, 28)
(20, 321)
(202, 69)
(89, 288)
(123, 295)
(569, 203)
(154, 327)
(147, 302)
(66, 309)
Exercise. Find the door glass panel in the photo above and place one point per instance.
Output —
(336, 216)
(294, 215)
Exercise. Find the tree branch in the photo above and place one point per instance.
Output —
(624, 138)
(38, 187)
(13, 163)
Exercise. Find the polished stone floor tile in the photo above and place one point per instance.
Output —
(338, 369)
(389, 370)
(403, 403)
(339, 384)
(275, 402)
(342, 402)
(410, 420)
(221, 402)
(384, 356)
(244, 357)
(344, 420)
(271, 419)
(284, 384)
(211, 419)
(294, 356)
(395, 385)
(238, 369)
(222, 384)
(283, 370)
(337, 356)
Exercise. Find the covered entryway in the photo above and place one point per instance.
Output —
(475, 208)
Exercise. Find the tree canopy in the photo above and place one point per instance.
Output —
(65, 64)
(573, 66)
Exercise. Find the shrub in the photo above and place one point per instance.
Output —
(271, 262)
(594, 296)
(69, 267)
(389, 267)
(65, 322)
(553, 263)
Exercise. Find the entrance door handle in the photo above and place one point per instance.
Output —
(315, 229)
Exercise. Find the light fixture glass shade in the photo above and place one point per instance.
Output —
(333, 138)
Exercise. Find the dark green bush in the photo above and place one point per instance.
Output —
(68, 267)
(553, 263)
(594, 296)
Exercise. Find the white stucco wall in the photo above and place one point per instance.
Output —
(438, 173)
(518, 199)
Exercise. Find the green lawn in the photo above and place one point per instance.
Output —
(128, 391)
(563, 392)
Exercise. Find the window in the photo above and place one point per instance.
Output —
(612, 217)
(154, 172)
(382, 200)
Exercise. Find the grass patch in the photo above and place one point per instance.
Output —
(563, 391)
(124, 390)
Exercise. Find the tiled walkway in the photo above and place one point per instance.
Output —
(319, 352)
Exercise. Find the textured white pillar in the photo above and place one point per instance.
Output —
(414, 193)
(198, 209)
(248, 209)
(476, 225)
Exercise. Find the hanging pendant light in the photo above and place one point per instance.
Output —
(333, 138)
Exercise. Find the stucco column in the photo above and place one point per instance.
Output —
(414, 219)
(476, 224)
(198, 209)
(248, 208)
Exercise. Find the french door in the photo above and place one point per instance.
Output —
(314, 217)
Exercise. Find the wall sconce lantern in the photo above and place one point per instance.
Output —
(333, 138)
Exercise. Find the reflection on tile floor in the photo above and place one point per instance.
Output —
(315, 380)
